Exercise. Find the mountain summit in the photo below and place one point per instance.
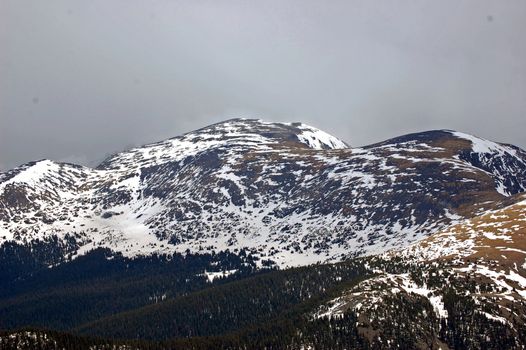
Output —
(239, 134)
(287, 192)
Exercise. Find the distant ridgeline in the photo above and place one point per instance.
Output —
(254, 235)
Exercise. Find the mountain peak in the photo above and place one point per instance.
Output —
(235, 134)
(296, 131)
(29, 172)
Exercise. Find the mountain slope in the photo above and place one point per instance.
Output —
(464, 287)
(287, 192)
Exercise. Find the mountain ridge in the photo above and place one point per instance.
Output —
(290, 191)
(413, 242)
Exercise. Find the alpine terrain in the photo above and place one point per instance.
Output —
(251, 234)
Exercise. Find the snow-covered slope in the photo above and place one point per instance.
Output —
(479, 263)
(286, 191)
(506, 163)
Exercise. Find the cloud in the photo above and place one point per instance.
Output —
(89, 78)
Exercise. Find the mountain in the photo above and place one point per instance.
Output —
(464, 287)
(287, 192)
(249, 234)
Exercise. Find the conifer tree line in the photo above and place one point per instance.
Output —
(106, 301)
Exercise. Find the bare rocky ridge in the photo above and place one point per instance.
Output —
(285, 191)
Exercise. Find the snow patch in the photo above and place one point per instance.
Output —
(221, 274)
(480, 145)
(318, 139)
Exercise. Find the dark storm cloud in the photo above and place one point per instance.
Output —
(79, 79)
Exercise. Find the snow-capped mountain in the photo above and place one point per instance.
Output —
(288, 192)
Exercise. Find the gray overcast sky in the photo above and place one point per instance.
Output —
(81, 79)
